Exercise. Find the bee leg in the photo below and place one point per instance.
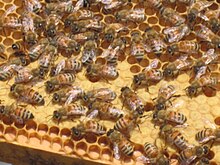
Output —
(212, 143)
(139, 129)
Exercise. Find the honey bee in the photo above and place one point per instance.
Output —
(52, 25)
(78, 15)
(153, 155)
(60, 8)
(26, 94)
(196, 8)
(3, 56)
(111, 31)
(207, 35)
(207, 135)
(120, 144)
(101, 94)
(10, 21)
(46, 61)
(173, 69)
(88, 127)
(111, 53)
(188, 155)
(171, 16)
(67, 95)
(67, 65)
(174, 137)
(97, 71)
(131, 99)
(69, 112)
(164, 95)
(169, 116)
(22, 60)
(149, 75)
(66, 43)
(187, 47)
(32, 5)
(154, 42)
(137, 46)
(58, 81)
(135, 15)
(89, 52)
(6, 72)
(85, 25)
(37, 49)
(18, 114)
(209, 57)
(176, 33)
(127, 123)
(18, 48)
(24, 75)
(198, 85)
(83, 37)
(187, 2)
(106, 110)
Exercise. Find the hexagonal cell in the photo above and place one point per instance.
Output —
(128, 160)
(42, 129)
(90, 138)
(100, 61)
(19, 125)
(103, 141)
(106, 154)
(217, 120)
(54, 131)
(46, 141)
(152, 20)
(18, 2)
(22, 136)
(94, 151)
(7, 1)
(31, 125)
(144, 63)
(68, 146)
(131, 60)
(10, 134)
(65, 133)
(7, 121)
(57, 144)
(81, 148)
(135, 69)
(181, 8)
(34, 139)
(17, 35)
(1, 5)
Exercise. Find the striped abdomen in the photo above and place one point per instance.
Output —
(23, 113)
(65, 78)
(95, 127)
(205, 135)
(151, 150)
(33, 97)
(123, 123)
(126, 147)
(176, 117)
(7, 75)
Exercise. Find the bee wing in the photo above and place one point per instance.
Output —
(60, 66)
(209, 56)
(147, 48)
(8, 11)
(203, 16)
(93, 114)
(152, 65)
(192, 158)
(106, 2)
(144, 159)
(206, 139)
(17, 119)
(202, 71)
(72, 95)
(209, 123)
(78, 5)
(116, 151)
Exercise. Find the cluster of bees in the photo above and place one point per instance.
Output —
(76, 32)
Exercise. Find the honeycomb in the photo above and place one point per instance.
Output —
(44, 134)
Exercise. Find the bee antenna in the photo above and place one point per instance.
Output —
(49, 102)
(49, 118)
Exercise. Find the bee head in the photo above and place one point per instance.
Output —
(41, 73)
(155, 115)
(206, 150)
(39, 24)
(163, 160)
(191, 17)
(24, 61)
(160, 106)
(124, 88)
(56, 98)
(49, 86)
(170, 50)
(12, 88)
(110, 132)
(2, 109)
(191, 91)
(77, 47)
(204, 160)
(76, 132)
(168, 72)
(53, 71)
(57, 115)
(136, 80)
(140, 110)
(75, 28)
(85, 97)
(67, 23)
(15, 46)
(51, 32)
(109, 37)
